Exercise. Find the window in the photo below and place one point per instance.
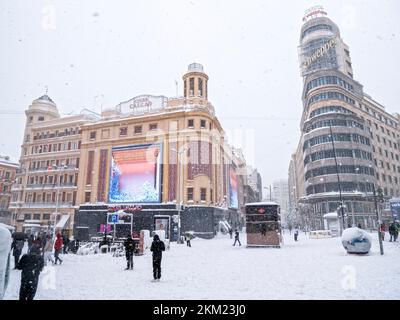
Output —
(153, 126)
(203, 124)
(36, 216)
(41, 118)
(92, 135)
(190, 123)
(30, 119)
(191, 86)
(46, 216)
(27, 216)
(190, 194)
(87, 197)
(27, 138)
(203, 194)
(138, 129)
(123, 131)
(200, 86)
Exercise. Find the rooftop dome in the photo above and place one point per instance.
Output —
(45, 98)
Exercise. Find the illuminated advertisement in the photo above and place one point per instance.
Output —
(135, 174)
(233, 189)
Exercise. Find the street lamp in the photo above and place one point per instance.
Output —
(180, 179)
(60, 169)
(270, 191)
(338, 179)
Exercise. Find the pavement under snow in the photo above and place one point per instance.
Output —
(214, 269)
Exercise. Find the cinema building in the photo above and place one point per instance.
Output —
(156, 153)
(349, 143)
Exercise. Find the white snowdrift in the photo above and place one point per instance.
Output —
(5, 247)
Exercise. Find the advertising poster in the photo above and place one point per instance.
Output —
(135, 174)
(162, 223)
(233, 189)
(395, 208)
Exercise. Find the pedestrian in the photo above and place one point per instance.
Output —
(392, 228)
(57, 248)
(290, 229)
(17, 246)
(31, 265)
(382, 229)
(31, 239)
(296, 234)
(48, 250)
(237, 238)
(359, 226)
(65, 244)
(129, 245)
(395, 231)
(188, 237)
(230, 232)
(157, 247)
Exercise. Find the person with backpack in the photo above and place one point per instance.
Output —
(57, 248)
(31, 265)
(17, 246)
(237, 238)
(129, 245)
(157, 247)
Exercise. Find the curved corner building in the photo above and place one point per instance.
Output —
(331, 98)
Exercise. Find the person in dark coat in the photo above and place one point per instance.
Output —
(17, 246)
(188, 237)
(31, 265)
(157, 247)
(237, 238)
(129, 245)
(57, 248)
(65, 244)
(230, 232)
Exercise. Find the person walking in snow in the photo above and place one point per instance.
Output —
(57, 248)
(17, 246)
(129, 245)
(188, 237)
(157, 247)
(48, 249)
(31, 240)
(237, 238)
(31, 265)
(296, 234)
(230, 232)
(383, 230)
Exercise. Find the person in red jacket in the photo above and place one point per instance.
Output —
(57, 248)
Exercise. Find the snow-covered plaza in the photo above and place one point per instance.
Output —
(214, 269)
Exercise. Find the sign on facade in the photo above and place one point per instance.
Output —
(143, 104)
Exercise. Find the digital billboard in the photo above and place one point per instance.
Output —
(233, 189)
(135, 174)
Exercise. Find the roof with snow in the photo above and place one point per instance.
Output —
(262, 204)
(45, 98)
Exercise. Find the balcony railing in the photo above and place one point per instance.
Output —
(68, 204)
(50, 185)
(50, 169)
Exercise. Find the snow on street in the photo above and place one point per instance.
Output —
(214, 269)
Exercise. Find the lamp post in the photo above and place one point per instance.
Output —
(60, 169)
(180, 179)
(338, 179)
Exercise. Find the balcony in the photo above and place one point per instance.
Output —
(68, 204)
(50, 185)
(51, 169)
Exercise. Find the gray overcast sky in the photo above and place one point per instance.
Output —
(121, 49)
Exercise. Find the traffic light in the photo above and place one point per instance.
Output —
(381, 199)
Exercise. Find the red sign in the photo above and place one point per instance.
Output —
(261, 210)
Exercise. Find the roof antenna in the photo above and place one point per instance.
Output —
(47, 89)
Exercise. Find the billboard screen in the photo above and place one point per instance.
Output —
(233, 189)
(135, 174)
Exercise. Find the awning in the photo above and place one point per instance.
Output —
(63, 221)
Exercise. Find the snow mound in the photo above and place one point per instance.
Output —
(5, 246)
(356, 240)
